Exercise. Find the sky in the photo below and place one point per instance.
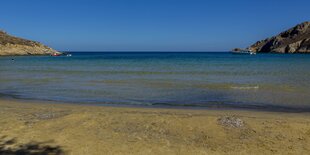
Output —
(150, 25)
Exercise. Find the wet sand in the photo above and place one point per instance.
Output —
(31, 126)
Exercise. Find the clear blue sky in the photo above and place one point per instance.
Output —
(152, 25)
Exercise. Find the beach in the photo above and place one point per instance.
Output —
(155, 78)
(84, 129)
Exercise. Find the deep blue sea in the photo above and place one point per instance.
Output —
(184, 79)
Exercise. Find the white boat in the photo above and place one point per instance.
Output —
(244, 52)
(67, 54)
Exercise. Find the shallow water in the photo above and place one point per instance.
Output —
(263, 81)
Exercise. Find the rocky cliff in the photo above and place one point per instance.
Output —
(294, 40)
(10, 45)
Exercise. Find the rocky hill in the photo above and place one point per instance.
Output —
(294, 40)
(10, 45)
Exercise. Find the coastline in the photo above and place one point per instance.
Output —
(84, 129)
(210, 106)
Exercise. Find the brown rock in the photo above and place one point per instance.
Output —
(10, 45)
(294, 40)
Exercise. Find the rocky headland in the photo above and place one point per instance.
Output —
(11, 45)
(294, 40)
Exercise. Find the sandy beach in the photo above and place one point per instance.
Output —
(154, 77)
(52, 128)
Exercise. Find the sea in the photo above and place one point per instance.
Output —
(211, 80)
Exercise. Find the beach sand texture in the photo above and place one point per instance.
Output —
(77, 129)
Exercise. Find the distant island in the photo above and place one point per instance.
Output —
(294, 40)
(10, 45)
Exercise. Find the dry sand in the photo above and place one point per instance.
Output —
(86, 130)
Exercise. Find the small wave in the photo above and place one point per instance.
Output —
(245, 87)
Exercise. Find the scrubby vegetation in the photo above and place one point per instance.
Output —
(8, 39)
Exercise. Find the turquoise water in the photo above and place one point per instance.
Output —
(213, 80)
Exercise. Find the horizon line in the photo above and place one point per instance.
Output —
(140, 51)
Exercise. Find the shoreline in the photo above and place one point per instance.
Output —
(84, 129)
(216, 107)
